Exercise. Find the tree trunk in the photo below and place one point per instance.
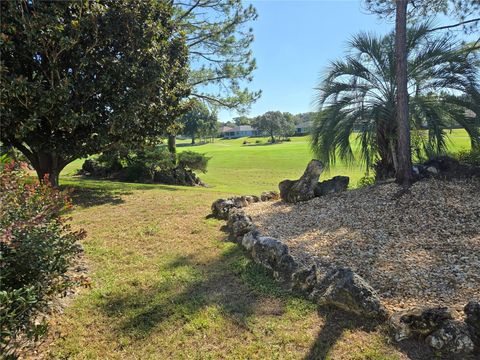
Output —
(193, 140)
(172, 143)
(403, 174)
(385, 165)
(48, 167)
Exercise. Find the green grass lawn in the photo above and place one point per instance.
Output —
(241, 169)
(166, 284)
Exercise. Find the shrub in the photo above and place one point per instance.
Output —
(471, 157)
(365, 181)
(144, 163)
(193, 161)
(258, 141)
(36, 249)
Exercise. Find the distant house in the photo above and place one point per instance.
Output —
(303, 128)
(238, 131)
(224, 129)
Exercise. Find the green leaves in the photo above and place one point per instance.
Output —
(117, 69)
(218, 41)
(36, 249)
(357, 95)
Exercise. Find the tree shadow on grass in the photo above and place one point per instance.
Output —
(232, 284)
(88, 197)
(88, 193)
(337, 322)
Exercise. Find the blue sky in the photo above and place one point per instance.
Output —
(294, 41)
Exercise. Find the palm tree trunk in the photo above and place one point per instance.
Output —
(404, 175)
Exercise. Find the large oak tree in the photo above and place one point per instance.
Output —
(78, 77)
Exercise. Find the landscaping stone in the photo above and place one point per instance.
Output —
(293, 191)
(345, 289)
(177, 176)
(221, 207)
(269, 196)
(305, 279)
(249, 239)
(268, 252)
(472, 319)
(239, 223)
(333, 185)
(342, 287)
(239, 201)
(452, 338)
(447, 168)
(252, 199)
(418, 321)
(285, 268)
(415, 250)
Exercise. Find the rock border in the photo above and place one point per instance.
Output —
(343, 288)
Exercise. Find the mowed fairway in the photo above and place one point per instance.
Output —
(243, 169)
(166, 283)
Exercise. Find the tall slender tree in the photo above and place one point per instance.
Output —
(403, 174)
(218, 37)
(466, 11)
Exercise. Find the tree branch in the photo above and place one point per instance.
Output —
(454, 25)
(215, 100)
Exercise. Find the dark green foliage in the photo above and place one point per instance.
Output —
(218, 36)
(36, 250)
(193, 161)
(366, 181)
(199, 121)
(148, 164)
(242, 120)
(145, 162)
(79, 76)
(465, 12)
(275, 123)
(471, 157)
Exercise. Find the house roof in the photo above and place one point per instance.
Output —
(225, 128)
(469, 113)
(239, 128)
(305, 124)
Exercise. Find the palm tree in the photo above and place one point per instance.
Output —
(358, 96)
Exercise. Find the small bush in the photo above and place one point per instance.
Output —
(193, 161)
(366, 181)
(471, 157)
(36, 249)
(258, 141)
(149, 164)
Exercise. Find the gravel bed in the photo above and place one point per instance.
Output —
(420, 248)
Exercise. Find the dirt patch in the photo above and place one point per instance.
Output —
(418, 248)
